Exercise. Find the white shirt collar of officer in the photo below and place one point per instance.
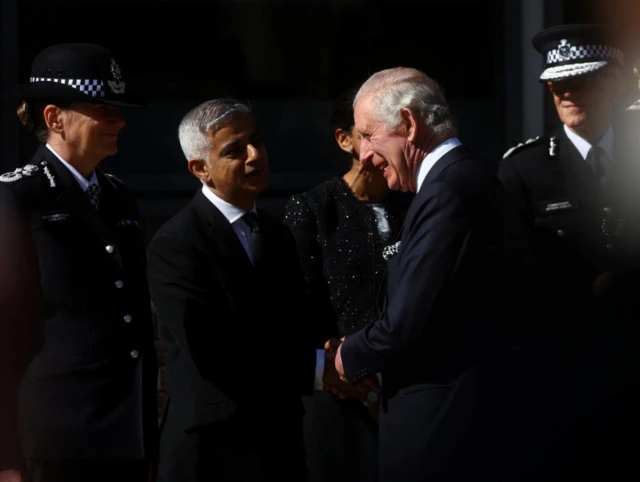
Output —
(84, 183)
(584, 146)
(229, 211)
(433, 157)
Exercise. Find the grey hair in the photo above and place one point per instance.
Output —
(208, 117)
(401, 87)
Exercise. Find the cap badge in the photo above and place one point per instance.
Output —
(564, 49)
(117, 86)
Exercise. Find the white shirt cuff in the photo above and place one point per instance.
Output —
(319, 381)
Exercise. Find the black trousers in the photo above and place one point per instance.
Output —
(341, 439)
(239, 449)
(70, 470)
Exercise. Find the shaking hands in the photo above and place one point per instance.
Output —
(367, 391)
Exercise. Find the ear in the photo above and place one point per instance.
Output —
(344, 140)
(53, 118)
(200, 169)
(409, 124)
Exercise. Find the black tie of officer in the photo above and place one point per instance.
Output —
(598, 162)
(255, 236)
(93, 192)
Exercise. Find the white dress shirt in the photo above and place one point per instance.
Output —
(584, 146)
(234, 216)
(83, 181)
(433, 157)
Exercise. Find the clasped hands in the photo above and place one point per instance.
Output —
(334, 380)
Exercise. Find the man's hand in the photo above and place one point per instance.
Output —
(12, 476)
(333, 381)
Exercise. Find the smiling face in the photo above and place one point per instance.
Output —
(382, 148)
(90, 130)
(237, 165)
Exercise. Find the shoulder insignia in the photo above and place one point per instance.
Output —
(19, 173)
(529, 142)
(116, 180)
(28, 171)
(552, 147)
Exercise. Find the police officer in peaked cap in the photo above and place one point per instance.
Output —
(77, 365)
(574, 188)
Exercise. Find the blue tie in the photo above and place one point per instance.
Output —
(255, 236)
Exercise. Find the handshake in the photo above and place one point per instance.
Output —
(367, 391)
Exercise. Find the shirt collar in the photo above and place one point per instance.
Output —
(584, 146)
(433, 157)
(229, 211)
(84, 183)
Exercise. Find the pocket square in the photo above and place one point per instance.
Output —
(390, 251)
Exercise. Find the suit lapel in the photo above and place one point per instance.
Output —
(236, 270)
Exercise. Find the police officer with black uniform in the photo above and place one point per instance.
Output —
(78, 367)
(575, 190)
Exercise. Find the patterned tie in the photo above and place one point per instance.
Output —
(93, 192)
(255, 236)
(597, 160)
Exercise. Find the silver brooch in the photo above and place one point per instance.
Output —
(390, 251)
(19, 173)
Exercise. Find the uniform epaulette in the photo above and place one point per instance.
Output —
(116, 180)
(23, 172)
(530, 142)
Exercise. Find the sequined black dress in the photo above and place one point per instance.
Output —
(340, 241)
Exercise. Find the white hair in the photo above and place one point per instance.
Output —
(393, 89)
(207, 117)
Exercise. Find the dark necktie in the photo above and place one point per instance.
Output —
(255, 236)
(93, 193)
(597, 160)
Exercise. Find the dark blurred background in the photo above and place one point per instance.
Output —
(290, 60)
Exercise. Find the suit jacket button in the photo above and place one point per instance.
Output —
(134, 354)
(127, 318)
(110, 249)
(560, 232)
(119, 284)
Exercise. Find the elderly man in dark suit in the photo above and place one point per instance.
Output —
(442, 341)
(228, 288)
(78, 368)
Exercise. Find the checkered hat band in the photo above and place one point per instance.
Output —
(584, 52)
(90, 87)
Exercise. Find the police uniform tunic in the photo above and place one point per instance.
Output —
(89, 391)
(582, 234)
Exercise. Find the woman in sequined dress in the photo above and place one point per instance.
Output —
(341, 228)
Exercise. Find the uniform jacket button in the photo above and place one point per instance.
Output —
(119, 284)
(127, 318)
(134, 354)
(560, 232)
(110, 249)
